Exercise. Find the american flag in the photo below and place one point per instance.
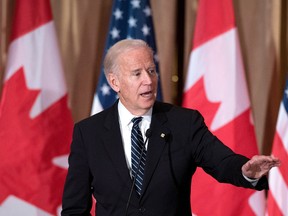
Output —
(278, 177)
(129, 19)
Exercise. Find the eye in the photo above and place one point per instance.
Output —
(151, 71)
(136, 73)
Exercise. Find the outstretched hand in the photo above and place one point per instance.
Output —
(259, 165)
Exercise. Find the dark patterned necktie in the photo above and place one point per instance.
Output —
(138, 153)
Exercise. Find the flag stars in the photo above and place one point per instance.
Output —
(135, 3)
(105, 89)
(286, 92)
(132, 22)
(118, 14)
(115, 33)
(146, 30)
(147, 11)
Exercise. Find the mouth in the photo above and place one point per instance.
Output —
(147, 94)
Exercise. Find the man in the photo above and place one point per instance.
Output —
(177, 142)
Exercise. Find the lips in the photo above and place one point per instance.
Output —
(147, 94)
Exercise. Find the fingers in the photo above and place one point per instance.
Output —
(266, 160)
(276, 160)
(259, 165)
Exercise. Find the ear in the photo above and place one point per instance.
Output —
(114, 82)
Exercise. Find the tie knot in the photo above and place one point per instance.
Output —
(136, 120)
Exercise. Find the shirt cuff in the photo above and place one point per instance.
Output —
(252, 181)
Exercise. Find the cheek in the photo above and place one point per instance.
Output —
(128, 88)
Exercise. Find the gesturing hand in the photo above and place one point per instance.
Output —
(259, 165)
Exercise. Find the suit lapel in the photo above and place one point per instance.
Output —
(156, 145)
(114, 146)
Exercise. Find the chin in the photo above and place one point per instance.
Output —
(149, 104)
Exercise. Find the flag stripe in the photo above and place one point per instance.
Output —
(209, 23)
(278, 177)
(25, 18)
(279, 190)
(282, 154)
(273, 209)
(282, 125)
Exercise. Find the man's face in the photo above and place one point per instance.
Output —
(136, 80)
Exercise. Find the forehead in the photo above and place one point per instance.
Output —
(136, 55)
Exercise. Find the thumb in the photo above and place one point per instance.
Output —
(246, 167)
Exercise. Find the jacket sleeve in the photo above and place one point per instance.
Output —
(77, 196)
(217, 159)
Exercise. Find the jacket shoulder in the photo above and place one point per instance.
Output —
(174, 109)
(107, 115)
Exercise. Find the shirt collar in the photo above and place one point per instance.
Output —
(125, 116)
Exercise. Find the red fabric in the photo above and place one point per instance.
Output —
(209, 23)
(280, 152)
(29, 15)
(273, 208)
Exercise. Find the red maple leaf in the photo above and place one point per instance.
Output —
(238, 134)
(196, 98)
(28, 146)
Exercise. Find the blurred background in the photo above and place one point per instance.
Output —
(82, 28)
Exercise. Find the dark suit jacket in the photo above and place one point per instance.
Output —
(97, 164)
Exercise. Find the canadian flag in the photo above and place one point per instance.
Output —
(216, 87)
(35, 121)
(277, 204)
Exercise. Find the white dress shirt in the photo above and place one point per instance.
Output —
(126, 125)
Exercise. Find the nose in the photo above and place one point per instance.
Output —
(147, 78)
